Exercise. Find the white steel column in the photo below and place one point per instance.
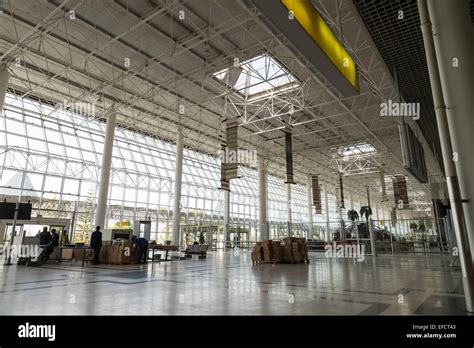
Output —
(326, 204)
(226, 217)
(4, 76)
(288, 198)
(310, 207)
(452, 34)
(178, 175)
(262, 200)
(441, 87)
(105, 170)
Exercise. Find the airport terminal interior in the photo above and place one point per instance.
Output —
(239, 157)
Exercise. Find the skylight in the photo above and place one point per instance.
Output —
(261, 75)
(356, 149)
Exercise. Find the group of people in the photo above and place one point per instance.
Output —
(49, 240)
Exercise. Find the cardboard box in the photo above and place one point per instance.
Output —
(103, 254)
(267, 252)
(257, 252)
(277, 253)
(114, 252)
(124, 255)
(134, 255)
(67, 254)
(78, 254)
(288, 253)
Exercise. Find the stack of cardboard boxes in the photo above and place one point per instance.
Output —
(288, 250)
(267, 251)
(278, 252)
(117, 252)
(299, 250)
(294, 250)
(257, 252)
(105, 251)
(114, 252)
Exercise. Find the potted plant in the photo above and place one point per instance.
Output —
(421, 227)
(353, 215)
(413, 226)
(365, 211)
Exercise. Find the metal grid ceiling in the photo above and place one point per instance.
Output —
(400, 42)
(471, 7)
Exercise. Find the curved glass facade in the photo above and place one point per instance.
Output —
(52, 158)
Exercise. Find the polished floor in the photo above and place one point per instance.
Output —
(228, 284)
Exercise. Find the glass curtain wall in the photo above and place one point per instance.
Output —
(52, 158)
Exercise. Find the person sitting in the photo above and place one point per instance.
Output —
(142, 246)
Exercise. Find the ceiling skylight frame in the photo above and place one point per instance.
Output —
(261, 76)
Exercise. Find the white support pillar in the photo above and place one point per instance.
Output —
(262, 200)
(178, 175)
(352, 200)
(442, 45)
(452, 34)
(4, 76)
(289, 213)
(309, 187)
(105, 170)
(226, 217)
(326, 205)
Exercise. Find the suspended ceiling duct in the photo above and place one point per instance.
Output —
(4, 76)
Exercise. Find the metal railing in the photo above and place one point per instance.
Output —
(404, 237)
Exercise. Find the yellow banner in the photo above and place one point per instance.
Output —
(312, 22)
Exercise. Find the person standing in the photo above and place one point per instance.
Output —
(238, 240)
(54, 243)
(54, 238)
(96, 244)
(186, 240)
(142, 246)
(64, 238)
(45, 240)
(201, 239)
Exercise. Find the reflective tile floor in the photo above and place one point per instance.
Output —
(227, 284)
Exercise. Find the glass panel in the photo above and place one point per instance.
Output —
(71, 186)
(52, 184)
